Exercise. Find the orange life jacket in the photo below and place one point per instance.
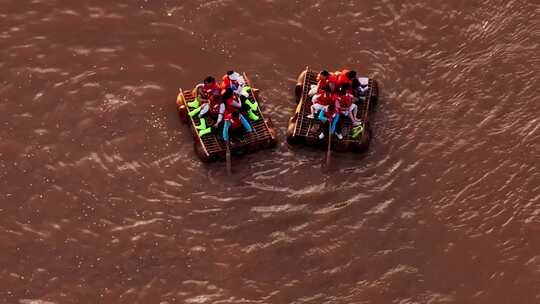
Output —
(228, 83)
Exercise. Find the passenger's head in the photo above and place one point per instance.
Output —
(324, 73)
(351, 74)
(209, 80)
(234, 77)
(344, 88)
(229, 73)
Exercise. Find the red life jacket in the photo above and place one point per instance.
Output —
(332, 79)
(234, 118)
(345, 102)
(215, 104)
(326, 98)
(210, 90)
(231, 112)
(229, 107)
(225, 83)
(201, 90)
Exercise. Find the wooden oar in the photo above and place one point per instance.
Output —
(329, 143)
(228, 156)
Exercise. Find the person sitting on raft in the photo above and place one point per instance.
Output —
(321, 100)
(234, 81)
(216, 109)
(233, 118)
(323, 79)
(329, 116)
(206, 95)
(345, 104)
(202, 92)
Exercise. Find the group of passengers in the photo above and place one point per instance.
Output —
(336, 95)
(226, 103)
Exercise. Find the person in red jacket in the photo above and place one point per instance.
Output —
(346, 104)
(323, 79)
(232, 80)
(233, 119)
(207, 88)
(329, 117)
(321, 101)
(202, 92)
(236, 82)
(216, 110)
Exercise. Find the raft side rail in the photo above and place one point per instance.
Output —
(255, 99)
(193, 125)
(302, 103)
(307, 123)
(367, 104)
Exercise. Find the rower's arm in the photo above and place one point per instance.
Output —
(220, 115)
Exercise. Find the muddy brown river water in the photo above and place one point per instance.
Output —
(103, 200)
